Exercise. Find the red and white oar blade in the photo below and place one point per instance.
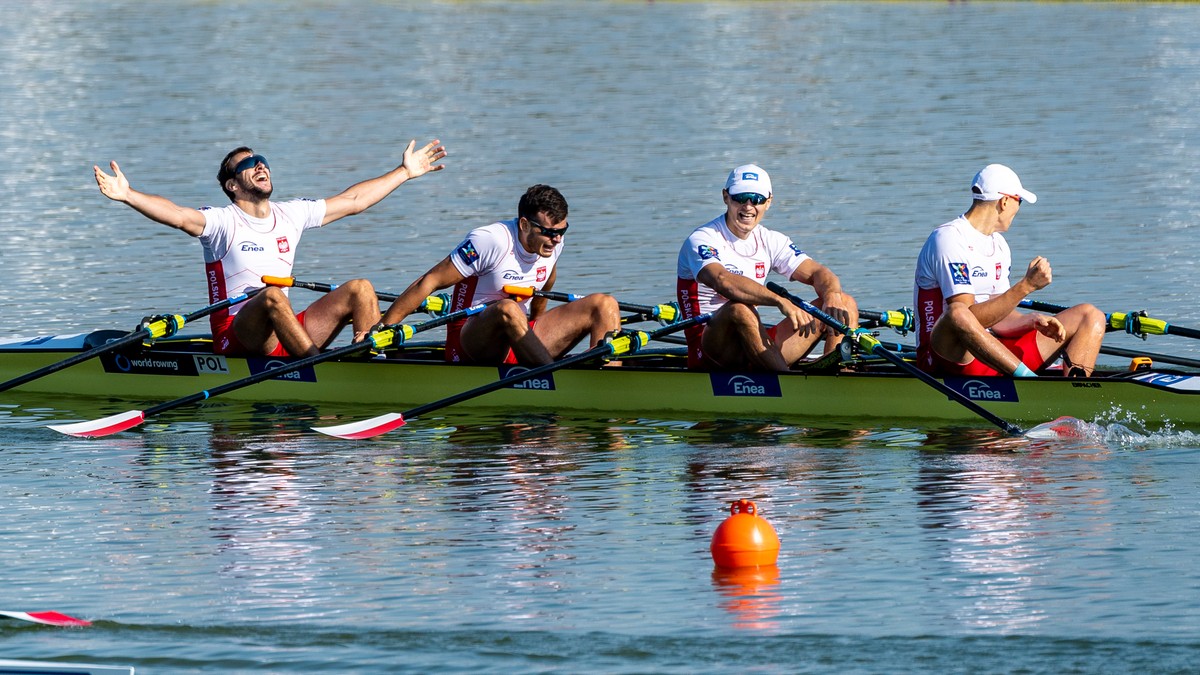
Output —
(48, 618)
(1063, 427)
(103, 426)
(366, 428)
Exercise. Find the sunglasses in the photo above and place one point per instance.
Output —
(549, 232)
(1016, 197)
(249, 163)
(752, 197)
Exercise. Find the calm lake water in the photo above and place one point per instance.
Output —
(229, 538)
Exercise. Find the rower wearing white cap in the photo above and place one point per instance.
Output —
(967, 323)
(723, 267)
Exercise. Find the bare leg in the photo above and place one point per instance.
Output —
(958, 335)
(563, 327)
(266, 321)
(487, 337)
(1085, 327)
(353, 302)
(736, 338)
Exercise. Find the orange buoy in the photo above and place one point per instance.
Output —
(745, 539)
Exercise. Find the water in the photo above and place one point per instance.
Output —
(229, 538)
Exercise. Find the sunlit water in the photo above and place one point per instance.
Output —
(228, 537)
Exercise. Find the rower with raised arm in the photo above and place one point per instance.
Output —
(254, 236)
(722, 268)
(523, 251)
(967, 323)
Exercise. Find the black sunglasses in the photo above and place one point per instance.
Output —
(549, 232)
(752, 197)
(249, 163)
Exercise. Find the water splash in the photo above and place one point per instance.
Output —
(1116, 428)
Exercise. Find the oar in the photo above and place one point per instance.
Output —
(384, 337)
(869, 344)
(154, 328)
(48, 618)
(627, 343)
(433, 304)
(1165, 358)
(1134, 323)
(666, 313)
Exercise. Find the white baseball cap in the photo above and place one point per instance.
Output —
(748, 178)
(996, 181)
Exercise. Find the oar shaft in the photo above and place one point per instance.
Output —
(873, 346)
(399, 331)
(160, 327)
(1164, 358)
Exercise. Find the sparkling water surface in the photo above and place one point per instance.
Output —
(228, 537)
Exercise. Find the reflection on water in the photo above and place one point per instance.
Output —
(750, 595)
(981, 516)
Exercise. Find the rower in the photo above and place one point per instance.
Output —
(254, 236)
(523, 251)
(722, 268)
(967, 323)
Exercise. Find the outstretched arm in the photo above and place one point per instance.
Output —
(159, 209)
(362, 196)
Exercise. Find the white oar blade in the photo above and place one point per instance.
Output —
(1063, 427)
(103, 426)
(48, 618)
(366, 428)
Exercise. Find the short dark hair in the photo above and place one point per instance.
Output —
(225, 172)
(542, 199)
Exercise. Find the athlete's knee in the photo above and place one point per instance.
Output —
(360, 288)
(1094, 320)
(511, 315)
(738, 313)
(605, 310)
(274, 299)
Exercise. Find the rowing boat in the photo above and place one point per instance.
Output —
(654, 380)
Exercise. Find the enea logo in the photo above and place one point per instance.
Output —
(985, 389)
(256, 366)
(541, 383)
(745, 384)
(250, 246)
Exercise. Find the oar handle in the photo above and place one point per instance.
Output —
(666, 313)
(869, 344)
(1134, 323)
(899, 319)
(625, 343)
(386, 336)
(292, 282)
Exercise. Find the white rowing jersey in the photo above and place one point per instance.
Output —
(753, 257)
(957, 259)
(491, 258)
(240, 249)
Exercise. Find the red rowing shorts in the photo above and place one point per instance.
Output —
(1024, 346)
(225, 340)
